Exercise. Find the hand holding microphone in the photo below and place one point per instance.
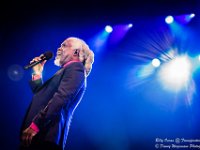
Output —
(37, 69)
(38, 62)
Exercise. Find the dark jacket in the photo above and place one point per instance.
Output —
(54, 102)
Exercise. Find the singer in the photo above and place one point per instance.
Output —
(47, 120)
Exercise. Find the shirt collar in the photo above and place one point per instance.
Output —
(69, 62)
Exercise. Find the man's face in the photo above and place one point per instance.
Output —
(64, 53)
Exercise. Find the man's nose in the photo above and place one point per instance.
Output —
(59, 49)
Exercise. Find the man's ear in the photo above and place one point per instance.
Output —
(76, 51)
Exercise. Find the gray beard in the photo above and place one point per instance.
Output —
(60, 60)
(57, 62)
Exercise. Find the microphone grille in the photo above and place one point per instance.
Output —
(48, 55)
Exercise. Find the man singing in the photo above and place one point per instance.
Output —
(46, 123)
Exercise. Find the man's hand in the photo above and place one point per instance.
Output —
(37, 69)
(27, 136)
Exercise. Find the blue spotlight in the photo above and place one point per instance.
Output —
(155, 62)
(169, 19)
(192, 15)
(130, 25)
(189, 17)
(108, 29)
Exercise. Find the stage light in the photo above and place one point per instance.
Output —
(108, 29)
(184, 18)
(98, 42)
(192, 15)
(176, 74)
(118, 33)
(169, 19)
(155, 62)
(188, 17)
(199, 57)
(130, 25)
(15, 72)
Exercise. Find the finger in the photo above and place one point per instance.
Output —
(43, 62)
(26, 142)
(30, 139)
(24, 134)
(32, 61)
(35, 59)
(42, 55)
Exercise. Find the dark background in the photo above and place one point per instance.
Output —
(114, 114)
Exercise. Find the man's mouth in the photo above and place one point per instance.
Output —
(58, 56)
(59, 53)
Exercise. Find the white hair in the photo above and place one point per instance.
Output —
(86, 55)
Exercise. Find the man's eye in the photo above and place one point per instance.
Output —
(64, 45)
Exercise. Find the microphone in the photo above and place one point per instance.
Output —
(46, 56)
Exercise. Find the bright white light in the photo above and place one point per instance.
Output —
(176, 74)
(108, 29)
(169, 19)
(192, 15)
(130, 25)
(155, 62)
(145, 71)
(199, 57)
